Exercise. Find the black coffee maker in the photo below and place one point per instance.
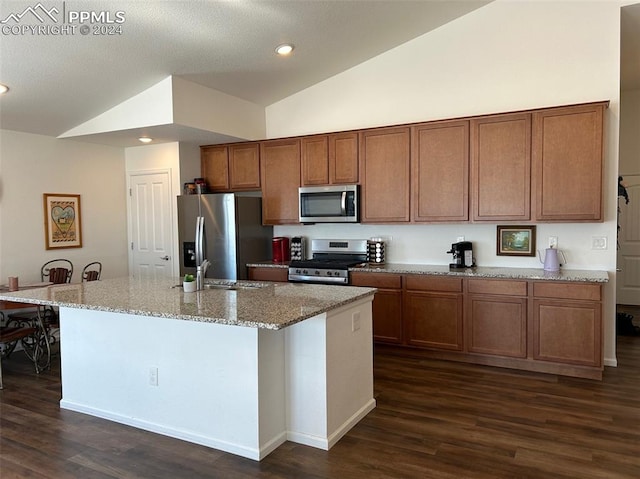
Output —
(462, 255)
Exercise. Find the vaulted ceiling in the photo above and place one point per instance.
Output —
(60, 81)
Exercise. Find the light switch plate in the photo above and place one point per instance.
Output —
(553, 242)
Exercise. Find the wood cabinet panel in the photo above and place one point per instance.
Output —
(268, 274)
(501, 167)
(568, 163)
(433, 283)
(384, 175)
(343, 158)
(280, 175)
(376, 280)
(214, 167)
(315, 160)
(589, 292)
(497, 287)
(567, 332)
(244, 166)
(387, 304)
(497, 326)
(387, 316)
(330, 159)
(433, 320)
(440, 171)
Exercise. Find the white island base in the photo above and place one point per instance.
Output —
(238, 389)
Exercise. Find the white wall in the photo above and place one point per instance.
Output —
(508, 55)
(31, 165)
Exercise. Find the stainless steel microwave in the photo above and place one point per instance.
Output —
(329, 204)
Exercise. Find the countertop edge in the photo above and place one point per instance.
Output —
(299, 317)
(497, 272)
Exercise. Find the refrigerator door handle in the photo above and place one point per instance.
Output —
(199, 245)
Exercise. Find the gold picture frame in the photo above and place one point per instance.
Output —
(62, 221)
(516, 241)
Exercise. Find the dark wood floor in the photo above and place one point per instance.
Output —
(433, 420)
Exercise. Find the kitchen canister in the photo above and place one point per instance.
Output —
(375, 251)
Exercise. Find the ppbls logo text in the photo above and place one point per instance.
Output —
(103, 17)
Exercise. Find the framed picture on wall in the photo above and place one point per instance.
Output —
(62, 221)
(516, 241)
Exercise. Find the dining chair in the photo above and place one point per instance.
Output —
(57, 271)
(92, 271)
(32, 334)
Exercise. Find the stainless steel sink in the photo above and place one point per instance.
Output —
(229, 286)
(233, 286)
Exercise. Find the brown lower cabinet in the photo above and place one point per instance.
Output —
(387, 304)
(497, 317)
(567, 324)
(546, 326)
(433, 312)
(268, 274)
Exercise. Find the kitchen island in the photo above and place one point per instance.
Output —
(238, 367)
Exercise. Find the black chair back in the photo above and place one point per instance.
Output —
(57, 271)
(92, 271)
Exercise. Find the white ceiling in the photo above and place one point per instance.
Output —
(61, 81)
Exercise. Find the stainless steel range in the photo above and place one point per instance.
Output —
(330, 263)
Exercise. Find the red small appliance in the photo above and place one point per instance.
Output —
(280, 249)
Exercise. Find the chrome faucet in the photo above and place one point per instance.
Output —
(201, 272)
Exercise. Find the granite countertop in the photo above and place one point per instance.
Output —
(578, 275)
(249, 303)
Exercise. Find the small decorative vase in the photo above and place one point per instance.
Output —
(189, 286)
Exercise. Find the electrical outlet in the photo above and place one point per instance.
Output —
(553, 242)
(460, 239)
(598, 242)
(153, 376)
(355, 322)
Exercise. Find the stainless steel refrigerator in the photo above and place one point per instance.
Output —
(225, 229)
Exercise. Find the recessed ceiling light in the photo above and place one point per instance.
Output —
(145, 139)
(284, 49)
(3, 88)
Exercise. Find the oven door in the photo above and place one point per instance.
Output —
(328, 204)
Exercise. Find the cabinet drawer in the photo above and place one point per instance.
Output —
(590, 292)
(269, 274)
(376, 280)
(433, 283)
(499, 287)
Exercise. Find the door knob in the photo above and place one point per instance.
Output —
(166, 258)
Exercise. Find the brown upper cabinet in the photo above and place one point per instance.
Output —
(384, 175)
(440, 171)
(233, 167)
(501, 168)
(541, 165)
(280, 174)
(214, 166)
(330, 159)
(567, 163)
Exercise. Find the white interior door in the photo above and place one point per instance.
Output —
(151, 224)
(628, 278)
